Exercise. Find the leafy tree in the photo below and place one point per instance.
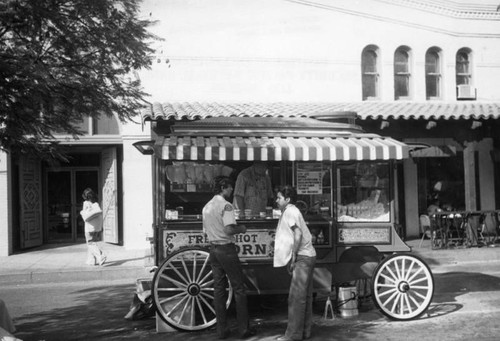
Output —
(63, 60)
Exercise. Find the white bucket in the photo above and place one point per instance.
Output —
(348, 301)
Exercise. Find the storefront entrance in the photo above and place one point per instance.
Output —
(64, 202)
(441, 182)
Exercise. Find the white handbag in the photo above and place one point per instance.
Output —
(92, 212)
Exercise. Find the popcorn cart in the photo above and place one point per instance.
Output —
(347, 184)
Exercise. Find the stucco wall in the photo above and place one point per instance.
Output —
(137, 189)
(269, 50)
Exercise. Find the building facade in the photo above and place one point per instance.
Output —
(40, 202)
(424, 72)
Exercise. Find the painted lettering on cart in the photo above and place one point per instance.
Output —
(246, 238)
(252, 249)
(197, 239)
(257, 244)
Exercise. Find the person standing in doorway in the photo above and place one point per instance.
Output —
(253, 190)
(294, 249)
(219, 224)
(92, 216)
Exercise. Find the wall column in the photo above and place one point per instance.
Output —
(138, 196)
(411, 198)
(486, 175)
(5, 205)
(470, 177)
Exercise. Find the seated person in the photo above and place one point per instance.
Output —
(433, 208)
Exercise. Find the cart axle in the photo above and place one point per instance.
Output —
(404, 287)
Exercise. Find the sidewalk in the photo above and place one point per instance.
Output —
(66, 262)
(453, 256)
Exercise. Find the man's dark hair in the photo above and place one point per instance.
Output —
(221, 182)
(289, 192)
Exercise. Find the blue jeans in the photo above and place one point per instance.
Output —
(226, 265)
(300, 299)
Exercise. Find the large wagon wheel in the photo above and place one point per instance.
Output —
(402, 286)
(183, 290)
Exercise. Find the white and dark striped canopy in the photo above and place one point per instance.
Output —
(242, 148)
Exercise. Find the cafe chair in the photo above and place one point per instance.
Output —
(425, 228)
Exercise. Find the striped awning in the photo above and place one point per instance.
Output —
(217, 148)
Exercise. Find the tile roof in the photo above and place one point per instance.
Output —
(365, 110)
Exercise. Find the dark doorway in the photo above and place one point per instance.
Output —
(64, 202)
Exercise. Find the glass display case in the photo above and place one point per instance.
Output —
(188, 188)
(348, 203)
(363, 193)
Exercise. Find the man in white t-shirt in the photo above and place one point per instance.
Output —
(293, 248)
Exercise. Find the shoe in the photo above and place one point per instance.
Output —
(249, 333)
(283, 338)
(102, 261)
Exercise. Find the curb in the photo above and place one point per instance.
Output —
(40, 277)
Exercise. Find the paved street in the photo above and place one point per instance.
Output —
(466, 306)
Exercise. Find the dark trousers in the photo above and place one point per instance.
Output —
(226, 265)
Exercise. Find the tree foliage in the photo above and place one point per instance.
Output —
(63, 60)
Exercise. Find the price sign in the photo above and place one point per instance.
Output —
(310, 178)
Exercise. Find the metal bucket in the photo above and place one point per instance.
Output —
(348, 301)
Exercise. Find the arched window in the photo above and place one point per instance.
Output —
(463, 75)
(402, 73)
(462, 67)
(369, 73)
(432, 74)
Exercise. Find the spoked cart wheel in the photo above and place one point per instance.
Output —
(402, 286)
(183, 290)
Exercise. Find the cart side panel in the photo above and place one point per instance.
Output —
(360, 247)
(255, 249)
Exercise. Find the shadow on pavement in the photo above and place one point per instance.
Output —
(97, 314)
(453, 284)
(450, 285)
